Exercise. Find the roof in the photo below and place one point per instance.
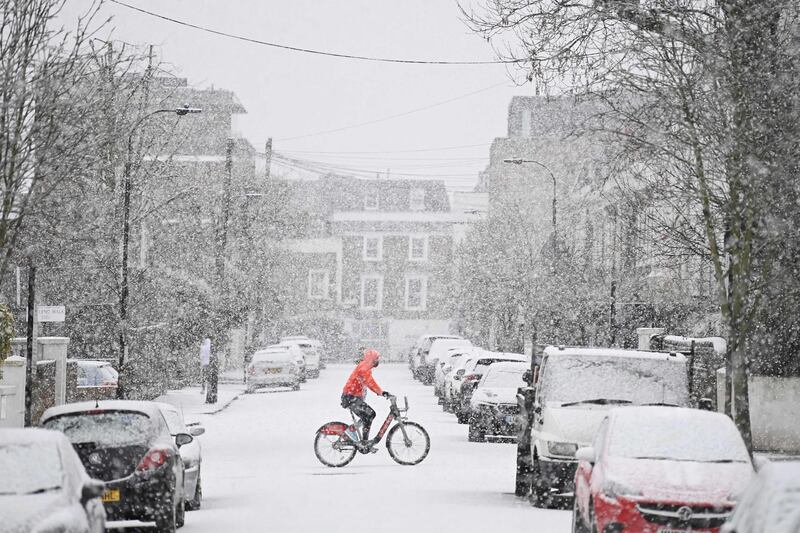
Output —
(555, 351)
(502, 355)
(509, 365)
(148, 408)
(29, 435)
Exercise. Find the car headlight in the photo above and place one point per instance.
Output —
(564, 449)
(613, 489)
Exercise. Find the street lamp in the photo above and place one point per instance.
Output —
(126, 207)
(520, 161)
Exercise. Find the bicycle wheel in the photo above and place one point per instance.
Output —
(409, 452)
(331, 445)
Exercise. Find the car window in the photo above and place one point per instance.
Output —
(505, 378)
(30, 468)
(108, 373)
(106, 428)
(174, 422)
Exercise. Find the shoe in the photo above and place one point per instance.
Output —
(367, 446)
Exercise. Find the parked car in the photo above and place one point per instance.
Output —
(443, 367)
(128, 445)
(469, 377)
(771, 503)
(438, 349)
(452, 380)
(44, 487)
(96, 374)
(273, 368)
(296, 355)
(416, 356)
(660, 469)
(190, 453)
(310, 355)
(494, 409)
(575, 390)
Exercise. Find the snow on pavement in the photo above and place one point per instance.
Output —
(260, 472)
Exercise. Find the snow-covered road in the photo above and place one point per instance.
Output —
(260, 472)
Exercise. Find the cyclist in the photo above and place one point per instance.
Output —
(356, 389)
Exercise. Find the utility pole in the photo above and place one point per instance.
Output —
(29, 344)
(268, 155)
(222, 240)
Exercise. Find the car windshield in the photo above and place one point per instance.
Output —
(505, 378)
(30, 468)
(574, 379)
(105, 428)
(174, 422)
(678, 435)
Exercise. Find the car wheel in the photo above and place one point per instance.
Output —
(195, 503)
(475, 432)
(540, 489)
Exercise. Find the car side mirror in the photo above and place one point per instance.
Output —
(92, 489)
(181, 439)
(585, 454)
(196, 431)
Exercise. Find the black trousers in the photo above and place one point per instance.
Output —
(362, 410)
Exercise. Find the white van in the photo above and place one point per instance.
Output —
(575, 389)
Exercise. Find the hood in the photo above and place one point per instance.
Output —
(371, 357)
(577, 424)
(681, 481)
(24, 512)
(500, 395)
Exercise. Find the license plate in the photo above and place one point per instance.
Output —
(674, 531)
(273, 371)
(111, 495)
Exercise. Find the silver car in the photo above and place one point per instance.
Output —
(273, 367)
(190, 453)
(44, 486)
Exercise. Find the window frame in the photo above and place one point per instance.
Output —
(379, 256)
(379, 297)
(372, 194)
(414, 206)
(424, 256)
(326, 281)
(423, 292)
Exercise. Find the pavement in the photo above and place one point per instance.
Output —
(192, 401)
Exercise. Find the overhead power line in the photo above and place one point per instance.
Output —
(390, 117)
(417, 150)
(313, 51)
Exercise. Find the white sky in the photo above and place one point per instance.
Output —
(289, 94)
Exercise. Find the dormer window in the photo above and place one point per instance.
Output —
(417, 199)
(371, 199)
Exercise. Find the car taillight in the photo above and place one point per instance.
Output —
(153, 459)
(472, 377)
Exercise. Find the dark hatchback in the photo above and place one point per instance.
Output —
(128, 446)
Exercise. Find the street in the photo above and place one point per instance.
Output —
(259, 470)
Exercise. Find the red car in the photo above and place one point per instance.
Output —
(660, 470)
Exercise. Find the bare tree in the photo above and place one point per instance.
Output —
(699, 94)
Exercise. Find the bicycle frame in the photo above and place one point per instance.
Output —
(395, 413)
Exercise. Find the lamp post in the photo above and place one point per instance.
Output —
(126, 207)
(526, 395)
(520, 161)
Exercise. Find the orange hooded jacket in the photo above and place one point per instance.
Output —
(362, 377)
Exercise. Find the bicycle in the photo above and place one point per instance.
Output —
(336, 443)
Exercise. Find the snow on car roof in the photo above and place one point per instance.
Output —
(148, 408)
(87, 362)
(508, 365)
(167, 407)
(555, 351)
(29, 435)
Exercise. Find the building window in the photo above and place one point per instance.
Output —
(371, 199)
(417, 199)
(373, 248)
(416, 293)
(318, 283)
(371, 292)
(418, 248)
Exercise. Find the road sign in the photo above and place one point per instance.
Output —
(50, 313)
